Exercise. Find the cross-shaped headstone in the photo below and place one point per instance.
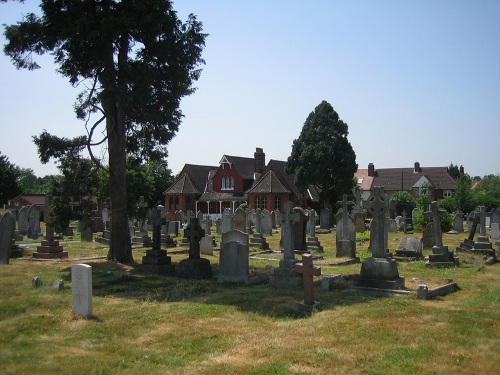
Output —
(357, 197)
(194, 234)
(157, 221)
(308, 271)
(345, 217)
(141, 210)
(481, 214)
(289, 217)
(435, 214)
(377, 206)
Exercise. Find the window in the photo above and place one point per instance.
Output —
(277, 203)
(171, 203)
(257, 203)
(227, 183)
(447, 193)
(264, 203)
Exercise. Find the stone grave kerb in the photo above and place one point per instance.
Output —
(194, 233)
(308, 272)
(435, 214)
(377, 205)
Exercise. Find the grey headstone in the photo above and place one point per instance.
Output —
(240, 220)
(428, 236)
(22, 220)
(7, 228)
(299, 230)
(392, 225)
(58, 284)
(325, 219)
(81, 290)
(227, 220)
(495, 231)
(233, 265)
(235, 236)
(266, 224)
(410, 246)
(34, 230)
(458, 223)
(207, 245)
(359, 222)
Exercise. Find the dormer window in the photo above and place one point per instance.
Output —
(227, 183)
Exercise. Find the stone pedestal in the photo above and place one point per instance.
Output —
(192, 268)
(314, 244)
(380, 273)
(157, 262)
(105, 238)
(286, 275)
(141, 239)
(258, 240)
(441, 257)
(466, 246)
(50, 250)
(483, 246)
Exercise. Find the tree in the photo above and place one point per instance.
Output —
(136, 61)
(487, 192)
(322, 155)
(454, 170)
(404, 201)
(9, 188)
(463, 195)
(31, 184)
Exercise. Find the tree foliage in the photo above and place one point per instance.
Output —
(31, 184)
(322, 155)
(487, 192)
(454, 170)
(403, 201)
(9, 187)
(135, 60)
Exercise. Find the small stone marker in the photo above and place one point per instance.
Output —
(81, 290)
(307, 270)
(36, 282)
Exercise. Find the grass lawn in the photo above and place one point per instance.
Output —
(164, 325)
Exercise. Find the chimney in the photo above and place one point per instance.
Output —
(260, 160)
(417, 168)
(371, 170)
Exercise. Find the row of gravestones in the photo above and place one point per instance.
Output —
(28, 221)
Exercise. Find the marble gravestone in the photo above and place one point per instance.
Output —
(81, 290)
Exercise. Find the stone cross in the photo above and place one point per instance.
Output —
(345, 217)
(141, 206)
(377, 206)
(307, 270)
(435, 214)
(357, 196)
(289, 217)
(481, 214)
(157, 221)
(194, 233)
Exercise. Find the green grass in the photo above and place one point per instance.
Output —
(164, 325)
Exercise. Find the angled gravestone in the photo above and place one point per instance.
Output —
(410, 247)
(194, 267)
(458, 223)
(235, 236)
(7, 228)
(324, 222)
(81, 290)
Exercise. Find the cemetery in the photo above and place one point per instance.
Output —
(205, 296)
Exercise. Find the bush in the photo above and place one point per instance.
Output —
(420, 222)
(404, 201)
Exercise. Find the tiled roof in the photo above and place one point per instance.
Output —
(214, 196)
(393, 178)
(269, 183)
(192, 180)
(364, 181)
(244, 166)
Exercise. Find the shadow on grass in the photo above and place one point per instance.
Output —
(130, 281)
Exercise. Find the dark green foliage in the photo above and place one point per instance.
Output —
(135, 60)
(31, 184)
(487, 192)
(404, 201)
(454, 171)
(420, 221)
(323, 156)
(9, 187)
(463, 195)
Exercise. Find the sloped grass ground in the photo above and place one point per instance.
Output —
(149, 324)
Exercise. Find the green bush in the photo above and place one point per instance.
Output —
(403, 201)
(420, 222)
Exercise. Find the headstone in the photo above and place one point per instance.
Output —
(299, 230)
(345, 232)
(410, 247)
(359, 222)
(273, 219)
(207, 245)
(36, 282)
(233, 263)
(428, 236)
(22, 220)
(58, 285)
(495, 216)
(156, 260)
(358, 202)
(179, 216)
(206, 224)
(379, 271)
(240, 220)
(194, 267)
(308, 272)
(482, 215)
(33, 222)
(325, 219)
(81, 290)
(458, 223)
(49, 248)
(105, 217)
(7, 228)
(173, 228)
(258, 220)
(495, 231)
(312, 241)
(235, 236)
(278, 217)
(392, 225)
(266, 225)
(227, 220)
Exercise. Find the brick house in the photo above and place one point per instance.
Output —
(439, 182)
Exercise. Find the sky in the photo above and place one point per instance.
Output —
(414, 81)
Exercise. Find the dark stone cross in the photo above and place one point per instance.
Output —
(194, 233)
(435, 214)
(157, 221)
(307, 270)
(377, 206)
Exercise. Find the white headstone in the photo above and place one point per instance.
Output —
(81, 290)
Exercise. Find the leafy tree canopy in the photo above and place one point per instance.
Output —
(454, 170)
(135, 60)
(31, 184)
(322, 155)
(9, 187)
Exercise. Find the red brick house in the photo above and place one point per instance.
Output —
(439, 182)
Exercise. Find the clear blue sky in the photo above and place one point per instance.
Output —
(414, 80)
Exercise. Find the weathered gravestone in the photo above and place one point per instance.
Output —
(105, 217)
(233, 263)
(34, 230)
(49, 248)
(379, 271)
(325, 219)
(156, 260)
(308, 272)
(458, 223)
(240, 220)
(286, 275)
(410, 247)
(207, 245)
(258, 240)
(266, 225)
(440, 255)
(299, 230)
(312, 241)
(7, 228)
(482, 215)
(277, 218)
(227, 220)
(346, 232)
(194, 267)
(359, 222)
(22, 220)
(81, 290)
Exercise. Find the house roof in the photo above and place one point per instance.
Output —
(397, 179)
(244, 166)
(29, 199)
(269, 183)
(192, 180)
(364, 181)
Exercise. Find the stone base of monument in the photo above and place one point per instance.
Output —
(286, 275)
(105, 239)
(157, 262)
(483, 246)
(143, 240)
(466, 246)
(258, 240)
(314, 244)
(380, 273)
(50, 250)
(305, 307)
(345, 248)
(441, 257)
(191, 268)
